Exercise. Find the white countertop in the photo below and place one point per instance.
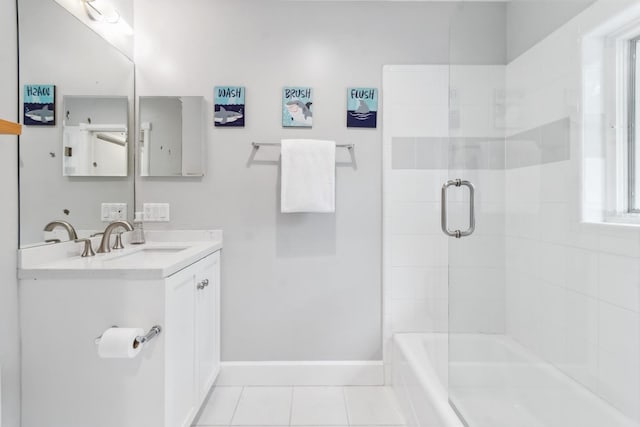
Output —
(165, 253)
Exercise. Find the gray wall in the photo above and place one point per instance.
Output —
(530, 21)
(295, 286)
(477, 34)
(9, 340)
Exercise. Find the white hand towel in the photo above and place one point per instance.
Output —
(308, 176)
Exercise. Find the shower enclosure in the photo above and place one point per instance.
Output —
(542, 304)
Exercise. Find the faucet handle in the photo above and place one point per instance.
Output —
(118, 244)
(97, 234)
(88, 249)
(106, 237)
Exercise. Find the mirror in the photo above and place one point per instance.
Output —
(172, 133)
(58, 49)
(94, 141)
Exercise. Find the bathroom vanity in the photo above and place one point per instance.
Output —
(67, 302)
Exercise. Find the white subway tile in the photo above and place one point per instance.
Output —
(619, 281)
(555, 182)
(582, 271)
(428, 184)
(554, 220)
(581, 361)
(581, 316)
(417, 251)
(402, 316)
(552, 263)
(477, 283)
(619, 381)
(415, 218)
(621, 241)
(403, 282)
(619, 330)
(401, 186)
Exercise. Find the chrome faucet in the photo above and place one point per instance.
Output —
(64, 224)
(106, 237)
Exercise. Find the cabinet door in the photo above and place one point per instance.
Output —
(207, 324)
(180, 370)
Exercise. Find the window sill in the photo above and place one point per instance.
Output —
(620, 221)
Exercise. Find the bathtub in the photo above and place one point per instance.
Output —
(419, 376)
(492, 381)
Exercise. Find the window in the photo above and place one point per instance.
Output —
(610, 133)
(633, 124)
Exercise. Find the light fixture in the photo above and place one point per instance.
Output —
(102, 11)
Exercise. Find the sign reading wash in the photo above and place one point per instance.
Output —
(39, 105)
(362, 107)
(229, 106)
(297, 107)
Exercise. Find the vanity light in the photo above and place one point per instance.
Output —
(102, 11)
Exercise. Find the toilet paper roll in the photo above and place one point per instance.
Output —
(120, 343)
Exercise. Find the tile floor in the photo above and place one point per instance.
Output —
(301, 406)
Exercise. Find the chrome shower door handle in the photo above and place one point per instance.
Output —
(443, 211)
(472, 211)
(472, 208)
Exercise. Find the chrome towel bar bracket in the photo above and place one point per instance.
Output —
(257, 145)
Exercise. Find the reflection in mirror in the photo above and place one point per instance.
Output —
(57, 49)
(95, 136)
(171, 135)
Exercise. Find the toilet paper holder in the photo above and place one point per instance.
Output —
(142, 339)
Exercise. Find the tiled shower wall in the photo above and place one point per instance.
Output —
(567, 290)
(415, 250)
(572, 289)
(421, 142)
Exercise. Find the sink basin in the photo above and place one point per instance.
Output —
(163, 250)
(165, 253)
(146, 254)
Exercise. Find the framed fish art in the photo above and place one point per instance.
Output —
(229, 106)
(362, 107)
(297, 107)
(39, 105)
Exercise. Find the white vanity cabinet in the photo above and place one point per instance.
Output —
(66, 383)
(207, 326)
(193, 331)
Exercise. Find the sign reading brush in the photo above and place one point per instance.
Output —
(362, 107)
(229, 108)
(39, 105)
(297, 107)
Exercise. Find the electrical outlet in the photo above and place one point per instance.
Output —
(156, 212)
(113, 211)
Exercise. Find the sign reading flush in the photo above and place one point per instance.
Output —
(362, 107)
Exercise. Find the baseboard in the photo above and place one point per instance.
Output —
(342, 373)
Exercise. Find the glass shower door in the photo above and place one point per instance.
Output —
(482, 367)
(540, 333)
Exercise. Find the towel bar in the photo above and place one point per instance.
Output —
(257, 145)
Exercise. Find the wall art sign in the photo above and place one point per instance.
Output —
(297, 107)
(39, 105)
(229, 106)
(362, 107)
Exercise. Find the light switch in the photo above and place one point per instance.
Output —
(113, 211)
(156, 212)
